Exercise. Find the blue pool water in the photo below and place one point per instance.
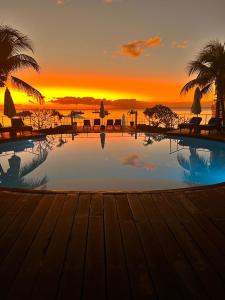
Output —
(111, 162)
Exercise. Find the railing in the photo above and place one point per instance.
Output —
(66, 120)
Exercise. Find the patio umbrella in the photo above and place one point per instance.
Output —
(9, 107)
(123, 120)
(14, 166)
(102, 110)
(76, 115)
(196, 105)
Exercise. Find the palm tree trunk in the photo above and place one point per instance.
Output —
(217, 108)
(222, 108)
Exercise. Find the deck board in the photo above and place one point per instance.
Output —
(155, 245)
(73, 271)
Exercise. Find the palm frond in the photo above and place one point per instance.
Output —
(197, 66)
(15, 39)
(188, 86)
(22, 85)
(206, 89)
(183, 162)
(36, 162)
(33, 183)
(20, 61)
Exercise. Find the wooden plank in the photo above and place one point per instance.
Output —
(7, 200)
(165, 279)
(96, 205)
(214, 235)
(116, 271)
(11, 235)
(94, 276)
(46, 284)
(25, 279)
(210, 202)
(172, 250)
(12, 212)
(208, 206)
(201, 238)
(212, 282)
(73, 271)
(140, 279)
(123, 208)
(15, 257)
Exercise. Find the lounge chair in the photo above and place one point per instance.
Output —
(4, 129)
(87, 124)
(97, 122)
(19, 126)
(213, 124)
(193, 122)
(118, 123)
(109, 123)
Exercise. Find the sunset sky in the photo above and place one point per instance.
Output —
(114, 48)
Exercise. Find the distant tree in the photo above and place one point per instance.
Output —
(160, 115)
(12, 42)
(209, 66)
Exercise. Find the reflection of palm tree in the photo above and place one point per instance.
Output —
(14, 176)
(198, 168)
(151, 138)
(11, 59)
(195, 167)
(61, 142)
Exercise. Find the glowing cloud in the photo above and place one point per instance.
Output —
(136, 48)
(180, 45)
(111, 1)
(60, 2)
(134, 160)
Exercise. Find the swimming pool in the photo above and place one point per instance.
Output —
(111, 162)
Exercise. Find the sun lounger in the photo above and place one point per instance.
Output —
(213, 124)
(118, 123)
(193, 122)
(87, 124)
(4, 129)
(97, 123)
(109, 123)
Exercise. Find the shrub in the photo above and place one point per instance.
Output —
(160, 115)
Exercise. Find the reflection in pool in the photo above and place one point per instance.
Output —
(112, 161)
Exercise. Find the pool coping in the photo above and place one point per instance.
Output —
(186, 189)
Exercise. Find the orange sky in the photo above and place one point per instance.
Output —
(114, 49)
(60, 84)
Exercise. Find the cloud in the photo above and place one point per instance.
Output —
(60, 2)
(135, 161)
(136, 48)
(181, 44)
(111, 1)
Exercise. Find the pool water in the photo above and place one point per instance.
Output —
(111, 162)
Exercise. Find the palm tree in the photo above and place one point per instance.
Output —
(210, 69)
(12, 42)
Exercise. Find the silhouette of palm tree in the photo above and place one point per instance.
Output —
(12, 42)
(210, 69)
(14, 176)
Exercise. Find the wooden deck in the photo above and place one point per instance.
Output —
(157, 245)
